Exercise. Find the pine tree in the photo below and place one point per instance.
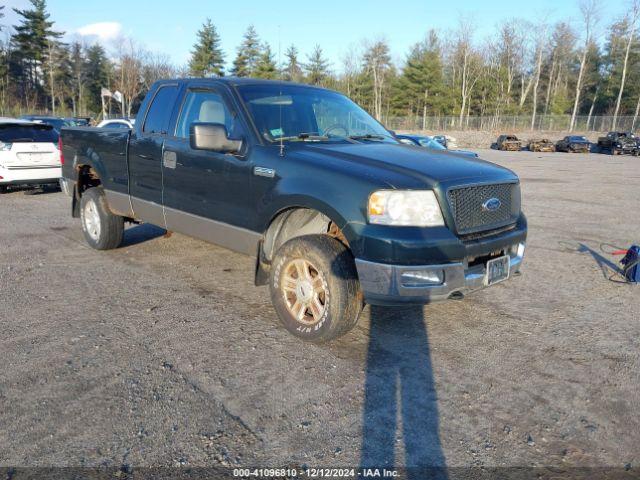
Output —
(317, 67)
(31, 44)
(420, 88)
(292, 71)
(248, 54)
(207, 58)
(97, 70)
(266, 66)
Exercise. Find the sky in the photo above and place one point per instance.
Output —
(169, 27)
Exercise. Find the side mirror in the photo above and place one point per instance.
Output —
(212, 136)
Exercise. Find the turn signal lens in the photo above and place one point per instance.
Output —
(377, 202)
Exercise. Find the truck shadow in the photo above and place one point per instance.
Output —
(607, 267)
(141, 233)
(400, 401)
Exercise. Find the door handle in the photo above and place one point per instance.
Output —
(146, 157)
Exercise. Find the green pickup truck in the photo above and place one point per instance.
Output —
(336, 211)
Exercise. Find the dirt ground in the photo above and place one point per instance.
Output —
(162, 353)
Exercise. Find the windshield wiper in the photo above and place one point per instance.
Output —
(369, 136)
(311, 137)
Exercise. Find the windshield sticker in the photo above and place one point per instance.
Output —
(276, 132)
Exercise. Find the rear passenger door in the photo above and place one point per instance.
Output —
(145, 156)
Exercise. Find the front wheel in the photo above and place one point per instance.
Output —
(102, 229)
(315, 289)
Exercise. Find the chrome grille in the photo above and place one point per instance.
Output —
(466, 205)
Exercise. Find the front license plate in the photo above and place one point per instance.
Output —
(497, 270)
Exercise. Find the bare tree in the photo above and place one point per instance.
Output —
(589, 11)
(157, 67)
(469, 64)
(540, 38)
(631, 20)
(377, 62)
(350, 68)
(129, 77)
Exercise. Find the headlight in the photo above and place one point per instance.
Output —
(5, 147)
(408, 208)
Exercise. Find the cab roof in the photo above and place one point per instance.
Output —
(237, 81)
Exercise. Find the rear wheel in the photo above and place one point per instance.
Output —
(315, 289)
(102, 229)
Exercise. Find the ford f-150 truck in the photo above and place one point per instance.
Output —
(336, 211)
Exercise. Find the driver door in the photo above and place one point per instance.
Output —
(206, 193)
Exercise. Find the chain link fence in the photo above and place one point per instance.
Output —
(514, 123)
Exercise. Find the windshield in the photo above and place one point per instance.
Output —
(297, 113)
(577, 139)
(11, 133)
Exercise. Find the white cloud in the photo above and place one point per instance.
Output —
(103, 31)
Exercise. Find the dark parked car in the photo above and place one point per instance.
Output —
(334, 209)
(430, 142)
(619, 142)
(446, 141)
(574, 143)
(82, 121)
(56, 122)
(508, 142)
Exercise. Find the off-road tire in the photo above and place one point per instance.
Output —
(3, 189)
(110, 229)
(336, 272)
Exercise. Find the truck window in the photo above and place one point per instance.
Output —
(159, 113)
(203, 106)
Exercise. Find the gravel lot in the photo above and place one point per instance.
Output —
(163, 353)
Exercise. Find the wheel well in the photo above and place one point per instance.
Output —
(292, 223)
(87, 178)
(296, 222)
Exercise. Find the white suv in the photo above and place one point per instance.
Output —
(29, 153)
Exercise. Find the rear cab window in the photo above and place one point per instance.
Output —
(13, 133)
(159, 112)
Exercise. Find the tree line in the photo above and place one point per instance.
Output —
(588, 64)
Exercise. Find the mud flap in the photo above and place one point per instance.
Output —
(263, 267)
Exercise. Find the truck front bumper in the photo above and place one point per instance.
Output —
(385, 284)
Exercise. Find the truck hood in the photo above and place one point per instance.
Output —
(406, 166)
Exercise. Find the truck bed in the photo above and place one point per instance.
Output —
(106, 149)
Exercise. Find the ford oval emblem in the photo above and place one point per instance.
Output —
(492, 204)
